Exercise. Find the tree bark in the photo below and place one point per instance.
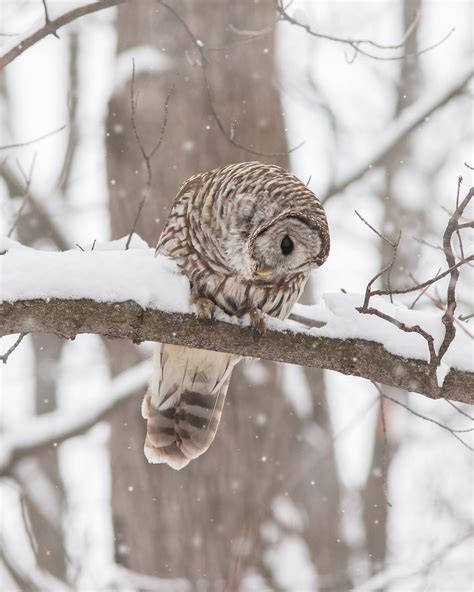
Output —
(210, 528)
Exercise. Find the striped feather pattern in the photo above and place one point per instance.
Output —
(184, 403)
(223, 225)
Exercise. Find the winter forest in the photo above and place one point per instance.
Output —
(343, 460)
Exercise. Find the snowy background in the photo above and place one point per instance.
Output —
(309, 508)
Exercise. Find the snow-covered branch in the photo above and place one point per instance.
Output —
(283, 342)
(133, 295)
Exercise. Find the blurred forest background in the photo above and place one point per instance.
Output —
(311, 485)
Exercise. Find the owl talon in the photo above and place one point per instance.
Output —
(205, 308)
(258, 321)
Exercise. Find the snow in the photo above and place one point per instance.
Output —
(106, 274)
(109, 273)
(343, 321)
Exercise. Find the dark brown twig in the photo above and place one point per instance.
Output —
(452, 227)
(47, 20)
(429, 282)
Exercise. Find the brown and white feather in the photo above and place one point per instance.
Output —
(221, 229)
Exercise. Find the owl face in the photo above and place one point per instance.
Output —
(290, 244)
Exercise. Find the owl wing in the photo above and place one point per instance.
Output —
(184, 402)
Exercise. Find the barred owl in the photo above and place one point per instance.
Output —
(246, 236)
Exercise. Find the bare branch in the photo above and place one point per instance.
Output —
(203, 64)
(47, 19)
(26, 193)
(451, 228)
(29, 142)
(127, 320)
(454, 432)
(429, 282)
(51, 27)
(356, 44)
(435, 358)
(146, 156)
(40, 208)
(4, 357)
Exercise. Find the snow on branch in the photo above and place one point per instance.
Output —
(51, 26)
(130, 294)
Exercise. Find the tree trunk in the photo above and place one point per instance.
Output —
(203, 523)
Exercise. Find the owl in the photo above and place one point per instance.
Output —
(246, 236)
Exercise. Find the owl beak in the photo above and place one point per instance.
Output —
(264, 272)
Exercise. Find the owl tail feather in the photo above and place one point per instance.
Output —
(184, 402)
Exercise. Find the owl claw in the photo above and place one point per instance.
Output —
(205, 308)
(258, 321)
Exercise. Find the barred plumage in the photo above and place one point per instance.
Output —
(247, 236)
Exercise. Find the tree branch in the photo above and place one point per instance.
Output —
(48, 429)
(401, 127)
(51, 26)
(127, 320)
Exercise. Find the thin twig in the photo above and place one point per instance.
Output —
(4, 357)
(452, 431)
(355, 44)
(52, 26)
(390, 264)
(26, 193)
(29, 142)
(449, 320)
(203, 64)
(440, 305)
(47, 20)
(147, 157)
(423, 292)
(459, 410)
(427, 282)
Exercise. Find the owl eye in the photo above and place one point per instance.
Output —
(286, 245)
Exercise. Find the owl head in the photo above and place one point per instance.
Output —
(291, 243)
(278, 226)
